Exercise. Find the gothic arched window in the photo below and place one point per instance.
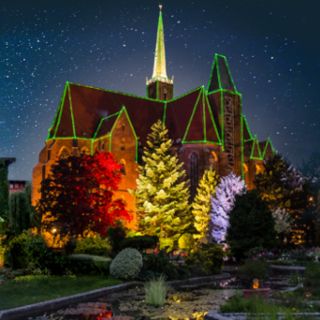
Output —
(194, 172)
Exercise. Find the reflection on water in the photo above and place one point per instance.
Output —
(130, 305)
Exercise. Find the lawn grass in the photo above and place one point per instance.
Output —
(31, 289)
(254, 306)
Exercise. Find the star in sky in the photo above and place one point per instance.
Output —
(271, 47)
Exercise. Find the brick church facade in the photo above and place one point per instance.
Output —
(206, 125)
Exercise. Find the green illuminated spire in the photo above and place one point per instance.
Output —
(159, 66)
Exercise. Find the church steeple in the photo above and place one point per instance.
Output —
(160, 86)
(159, 66)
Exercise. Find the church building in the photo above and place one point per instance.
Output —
(206, 125)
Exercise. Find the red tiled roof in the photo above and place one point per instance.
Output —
(86, 107)
(191, 117)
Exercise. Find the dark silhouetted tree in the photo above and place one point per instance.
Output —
(77, 196)
(251, 225)
(282, 186)
(19, 212)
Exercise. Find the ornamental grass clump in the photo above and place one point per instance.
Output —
(156, 291)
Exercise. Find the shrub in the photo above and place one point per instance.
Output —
(252, 269)
(70, 246)
(156, 265)
(140, 242)
(253, 305)
(89, 264)
(300, 255)
(127, 264)
(29, 251)
(26, 250)
(156, 291)
(251, 225)
(2, 249)
(93, 245)
(312, 278)
(116, 235)
(206, 259)
(55, 262)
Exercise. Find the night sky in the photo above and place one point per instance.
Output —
(273, 50)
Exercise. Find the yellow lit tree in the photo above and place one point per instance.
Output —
(162, 191)
(201, 206)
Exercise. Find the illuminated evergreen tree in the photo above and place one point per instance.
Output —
(283, 187)
(222, 203)
(201, 206)
(77, 196)
(162, 191)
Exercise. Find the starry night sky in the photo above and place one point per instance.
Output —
(272, 46)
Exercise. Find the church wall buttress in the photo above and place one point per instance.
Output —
(232, 133)
(123, 147)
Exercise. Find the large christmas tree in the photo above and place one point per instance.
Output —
(201, 205)
(162, 191)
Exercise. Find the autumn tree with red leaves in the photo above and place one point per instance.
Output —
(77, 196)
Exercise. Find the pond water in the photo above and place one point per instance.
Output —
(130, 305)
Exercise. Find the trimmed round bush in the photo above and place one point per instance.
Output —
(127, 264)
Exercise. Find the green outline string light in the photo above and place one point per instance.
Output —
(212, 120)
(248, 129)
(256, 145)
(164, 116)
(61, 109)
(124, 110)
(242, 144)
(229, 73)
(215, 63)
(191, 118)
(71, 113)
(55, 118)
(204, 125)
(202, 94)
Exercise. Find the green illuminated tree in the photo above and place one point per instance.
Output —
(162, 191)
(201, 206)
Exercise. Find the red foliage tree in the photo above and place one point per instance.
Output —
(77, 196)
